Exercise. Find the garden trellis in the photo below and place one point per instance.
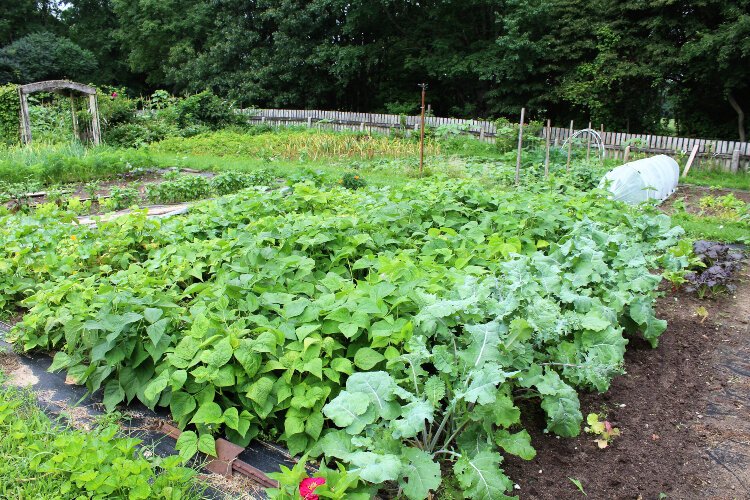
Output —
(66, 88)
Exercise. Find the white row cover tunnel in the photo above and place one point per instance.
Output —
(653, 178)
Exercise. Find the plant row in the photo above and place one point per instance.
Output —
(388, 330)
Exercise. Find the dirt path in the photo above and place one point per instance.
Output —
(683, 409)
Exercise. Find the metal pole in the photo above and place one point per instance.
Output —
(421, 133)
(520, 145)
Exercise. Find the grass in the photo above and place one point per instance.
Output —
(40, 458)
(712, 228)
(48, 164)
(717, 178)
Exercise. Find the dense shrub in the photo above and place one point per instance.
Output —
(208, 110)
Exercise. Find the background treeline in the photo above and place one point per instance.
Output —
(632, 65)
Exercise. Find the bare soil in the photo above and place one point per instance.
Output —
(691, 196)
(683, 410)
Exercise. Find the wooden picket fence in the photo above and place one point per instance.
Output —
(712, 153)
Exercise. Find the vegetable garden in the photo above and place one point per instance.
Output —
(391, 330)
(399, 335)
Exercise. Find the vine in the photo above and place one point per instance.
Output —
(10, 107)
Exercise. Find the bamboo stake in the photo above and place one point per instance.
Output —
(520, 145)
(421, 134)
(570, 145)
(546, 157)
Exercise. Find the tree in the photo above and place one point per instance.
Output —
(45, 56)
(716, 65)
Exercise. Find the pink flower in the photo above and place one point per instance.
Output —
(114, 94)
(308, 485)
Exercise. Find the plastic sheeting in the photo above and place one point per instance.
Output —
(653, 178)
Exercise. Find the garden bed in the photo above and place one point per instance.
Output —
(683, 410)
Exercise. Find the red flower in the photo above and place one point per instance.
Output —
(308, 485)
(114, 94)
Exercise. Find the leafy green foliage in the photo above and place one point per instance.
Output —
(121, 198)
(43, 460)
(230, 182)
(410, 315)
(10, 108)
(69, 163)
(45, 56)
(327, 483)
(352, 180)
(178, 187)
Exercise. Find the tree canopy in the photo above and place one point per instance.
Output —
(631, 65)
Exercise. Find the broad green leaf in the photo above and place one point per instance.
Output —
(481, 477)
(421, 474)
(152, 314)
(366, 358)
(347, 408)
(293, 425)
(375, 467)
(348, 329)
(516, 444)
(113, 394)
(412, 421)
(484, 343)
(520, 331)
(181, 404)
(560, 402)
(337, 444)
(379, 387)
(482, 388)
(260, 389)
(342, 365)
(434, 390)
(187, 445)
(594, 321)
(177, 379)
(208, 413)
(156, 386)
(231, 417)
(314, 425)
(219, 355)
(207, 445)
(156, 331)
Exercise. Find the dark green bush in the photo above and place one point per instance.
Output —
(352, 180)
(207, 109)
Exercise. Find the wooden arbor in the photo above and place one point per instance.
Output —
(64, 87)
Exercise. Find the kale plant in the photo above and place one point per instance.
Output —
(722, 262)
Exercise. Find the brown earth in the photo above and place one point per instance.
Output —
(683, 410)
(691, 196)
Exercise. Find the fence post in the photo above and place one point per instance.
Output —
(309, 121)
(546, 157)
(627, 154)
(604, 146)
(588, 143)
(481, 134)
(735, 165)
(570, 145)
(520, 146)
